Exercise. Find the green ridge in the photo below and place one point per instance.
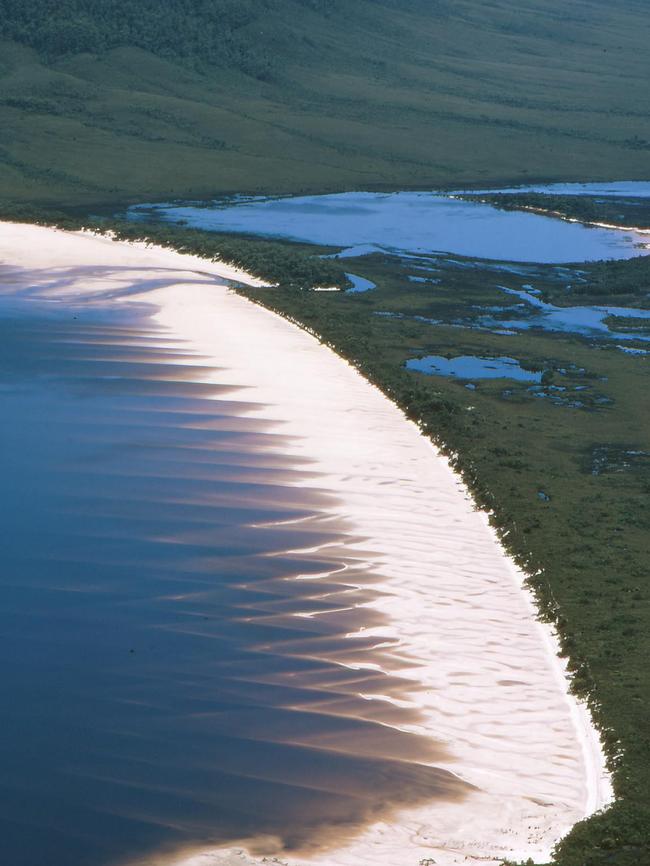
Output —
(106, 101)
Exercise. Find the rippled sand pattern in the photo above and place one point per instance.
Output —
(177, 672)
(248, 609)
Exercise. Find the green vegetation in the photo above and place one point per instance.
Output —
(287, 265)
(564, 467)
(106, 101)
(625, 212)
(615, 279)
(198, 33)
(292, 266)
(109, 102)
(618, 282)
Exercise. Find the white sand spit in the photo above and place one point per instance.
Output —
(485, 673)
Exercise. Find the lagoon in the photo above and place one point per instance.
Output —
(407, 222)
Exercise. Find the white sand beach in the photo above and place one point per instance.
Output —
(461, 627)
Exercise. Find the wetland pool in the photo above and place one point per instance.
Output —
(407, 222)
(473, 367)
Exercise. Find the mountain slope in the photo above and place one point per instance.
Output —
(98, 105)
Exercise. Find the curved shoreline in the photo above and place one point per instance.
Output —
(361, 444)
(399, 433)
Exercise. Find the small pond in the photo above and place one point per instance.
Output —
(360, 284)
(473, 367)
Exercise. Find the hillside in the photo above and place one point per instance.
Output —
(105, 101)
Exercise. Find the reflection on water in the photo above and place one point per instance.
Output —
(473, 367)
(175, 610)
(588, 321)
(360, 284)
(413, 222)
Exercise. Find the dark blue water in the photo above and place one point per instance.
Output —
(158, 689)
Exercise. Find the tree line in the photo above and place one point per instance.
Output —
(199, 32)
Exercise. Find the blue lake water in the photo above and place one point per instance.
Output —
(473, 367)
(411, 222)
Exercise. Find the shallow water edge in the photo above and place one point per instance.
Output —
(383, 546)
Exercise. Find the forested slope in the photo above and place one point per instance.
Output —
(108, 100)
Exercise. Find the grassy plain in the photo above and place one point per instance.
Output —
(361, 94)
